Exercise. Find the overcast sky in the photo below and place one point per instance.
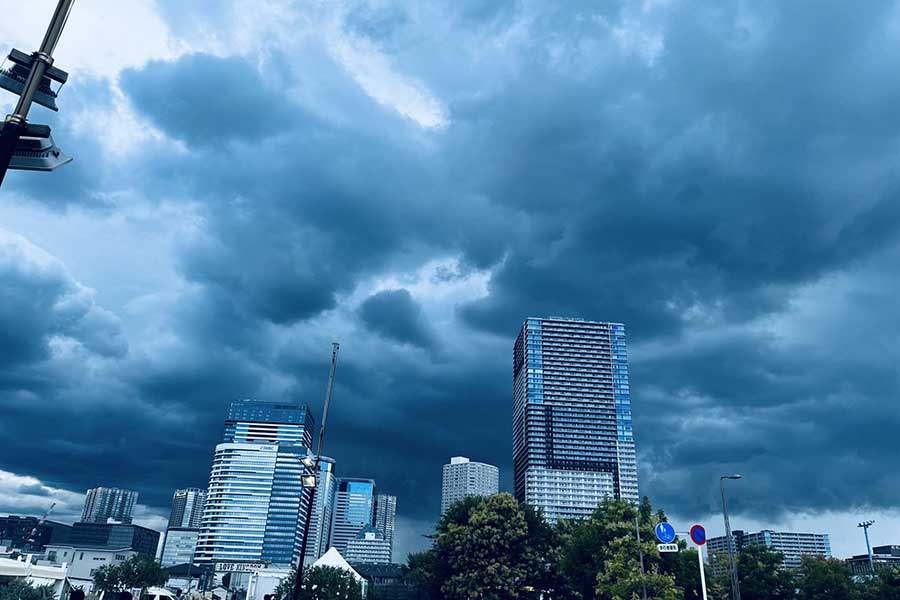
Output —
(253, 180)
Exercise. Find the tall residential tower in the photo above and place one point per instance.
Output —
(572, 438)
(103, 504)
(463, 477)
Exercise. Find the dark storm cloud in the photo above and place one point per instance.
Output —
(720, 177)
(395, 314)
(207, 100)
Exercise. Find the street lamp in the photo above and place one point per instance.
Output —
(24, 145)
(865, 526)
(309, 478)
(735, 584)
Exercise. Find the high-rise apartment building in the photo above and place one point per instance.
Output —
(104, 504)
(323, 511)
(187, 508)
(463, 477)
(792, 545)
(572, 436)
(354, 509)
(254, 503)
(385, 515)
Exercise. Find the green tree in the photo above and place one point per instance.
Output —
(761, 575)
(825, 579)
(489, 557)
(884, 586)
(601, 556)
(491, 548)
(321, 583)
(138, 571)
(19, 589)
(685, 568)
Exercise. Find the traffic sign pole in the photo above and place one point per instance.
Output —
(698, 536)
(702, 571)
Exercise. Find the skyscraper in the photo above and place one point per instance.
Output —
(254, 503)
(323, 511)
(572, 437)
(463, 477)
(102, 504)
(385, 514)
(354, 509)
(187, 508)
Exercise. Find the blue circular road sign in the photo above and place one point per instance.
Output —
(665, 533)
(698, 534)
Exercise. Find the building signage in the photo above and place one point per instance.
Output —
(239, 567)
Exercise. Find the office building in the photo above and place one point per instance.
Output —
(187, 508)
(882, 556)
(256, 421)
(113, 536)
(572, 430)
(463, 477)
(104, 504)
(323, 511)
(385, 515)
(254, 502)
(369, 546)
(354, 509)
(792, 545)
(179, 547)
(29, 534)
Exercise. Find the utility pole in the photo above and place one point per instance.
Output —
(637, 533)
(35, 87)
(314, 479)
(865, 527)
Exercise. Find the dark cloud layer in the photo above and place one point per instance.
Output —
(720, 177)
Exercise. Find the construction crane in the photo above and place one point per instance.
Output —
(32, 538)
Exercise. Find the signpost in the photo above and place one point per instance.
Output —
(665, 533)
(698, 536)
(667, 547)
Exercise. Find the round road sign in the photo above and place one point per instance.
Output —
(665, 533)
(698, 534)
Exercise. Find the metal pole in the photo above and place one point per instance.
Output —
(702, 571)
(869, 550)
(15, 124)
(298, 580)
(735, 584)
(637, 532)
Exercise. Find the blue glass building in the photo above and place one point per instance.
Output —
(573, 443)
(354, 509)
(255, 502)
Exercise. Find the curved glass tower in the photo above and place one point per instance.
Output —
(572, 433)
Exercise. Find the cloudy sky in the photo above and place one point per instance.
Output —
(253, 180)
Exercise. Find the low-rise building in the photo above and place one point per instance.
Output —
(29, 534)
(386, 580)
(888, 556)
(115, 536)
(36, 575)
(83, 561)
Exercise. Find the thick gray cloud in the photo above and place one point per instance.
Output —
(720, 177)
(396, 315)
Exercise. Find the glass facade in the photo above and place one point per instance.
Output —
(179, 547)
(354, 509)
(323, 511)
(255, 502)
(573, 442)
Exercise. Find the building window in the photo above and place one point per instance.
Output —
(81, 557)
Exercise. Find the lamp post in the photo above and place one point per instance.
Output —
(310, 477)
(865, 527)
(30, 78)
(735, 584)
